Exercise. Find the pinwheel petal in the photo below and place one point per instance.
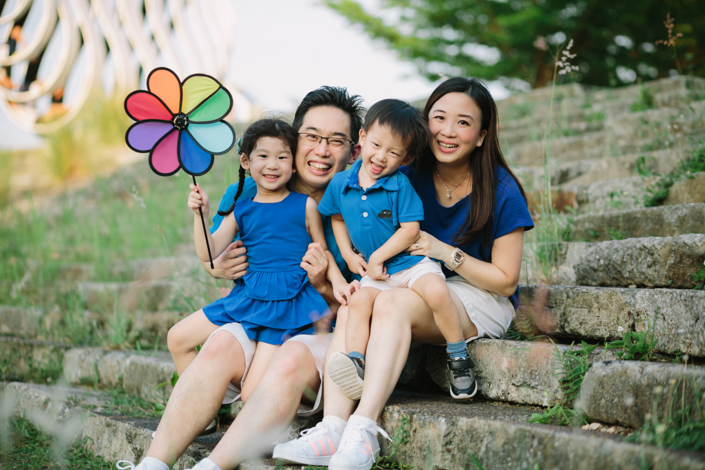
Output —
(214, 108)
(216, 137)
(164, 159)
(143, 136)
(193, 158)
(165, 84)
(196, 89)
(142, 105)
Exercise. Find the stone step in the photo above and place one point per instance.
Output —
(126, 296)
(660, 221)
(442, 433)
(27, 358)
(616, 194)
(20, 321)
(160, 268)
(522, 372)
(642, 262)
(606, 313)
(139, 374)
(625, 392)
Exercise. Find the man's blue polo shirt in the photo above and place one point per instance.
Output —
(372, 216)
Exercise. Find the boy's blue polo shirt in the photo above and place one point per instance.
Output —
(372, 216)
(249, 190)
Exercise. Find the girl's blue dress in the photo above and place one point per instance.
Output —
(274, 300)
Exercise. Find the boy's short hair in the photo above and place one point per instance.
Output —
(336, 97)
(405, 121)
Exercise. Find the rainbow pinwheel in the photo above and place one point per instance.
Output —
(180, 124)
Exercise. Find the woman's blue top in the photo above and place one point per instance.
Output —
(510, 213)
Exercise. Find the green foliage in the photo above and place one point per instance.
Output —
(636, 345)
(491, 40)
(123, 404)
(646, 100)
(31, 448)
(595, 117)
(616, 234)
(644, 164)
(658, 191)
(401, 436)
(574, 365)
(699, 277)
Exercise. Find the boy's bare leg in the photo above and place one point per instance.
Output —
(336, 402)
(433, 289)
(357, 329)
(270, 408)
(197, 396)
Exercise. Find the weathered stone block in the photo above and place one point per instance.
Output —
(19, 321)
(662, 221)
(27, 357)
(125, 297)
(689, 189)
(143, 374)
(625, 392)
(652, 262)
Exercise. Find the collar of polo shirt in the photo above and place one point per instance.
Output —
(388, 183)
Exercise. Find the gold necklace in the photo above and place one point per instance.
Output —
(444, 185)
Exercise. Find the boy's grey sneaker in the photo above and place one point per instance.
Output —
(462, 377)
(348, 373)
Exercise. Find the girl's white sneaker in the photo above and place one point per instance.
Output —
(315, 446)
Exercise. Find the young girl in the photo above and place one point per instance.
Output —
(274, 300)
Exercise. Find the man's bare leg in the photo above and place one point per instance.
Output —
(270, 408)
(197, 396)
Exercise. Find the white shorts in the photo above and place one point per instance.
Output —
(405, 278)
(317, 344)
(491, 313)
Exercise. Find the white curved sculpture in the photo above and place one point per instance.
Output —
(80, 45)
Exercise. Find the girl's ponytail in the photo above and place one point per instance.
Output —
(240, 186)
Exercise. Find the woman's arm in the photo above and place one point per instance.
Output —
(501, 276)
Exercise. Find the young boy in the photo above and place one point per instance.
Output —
(375, 217)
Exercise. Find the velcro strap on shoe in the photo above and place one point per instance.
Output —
(460, 364)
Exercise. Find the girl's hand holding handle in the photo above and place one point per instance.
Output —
(198, 199)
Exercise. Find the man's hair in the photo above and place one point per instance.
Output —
(335, 97)
(405, 121)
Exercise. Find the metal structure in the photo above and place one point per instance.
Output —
(54, 53)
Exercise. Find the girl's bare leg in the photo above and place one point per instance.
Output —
(183, 338)
(399, 316)
(260, 361)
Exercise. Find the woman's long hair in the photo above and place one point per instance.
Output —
(483, 159)
(262, 128)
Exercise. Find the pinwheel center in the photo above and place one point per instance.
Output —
(180, 121)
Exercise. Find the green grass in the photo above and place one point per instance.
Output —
(123, 404)
(636, 345)
(30, 448)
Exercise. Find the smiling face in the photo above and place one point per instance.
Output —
(455, 121)
(383, 152)
(270, 164)
(318, 163)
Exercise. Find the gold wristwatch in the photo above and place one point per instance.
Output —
(456, 259)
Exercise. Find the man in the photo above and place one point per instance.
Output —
(328, 121)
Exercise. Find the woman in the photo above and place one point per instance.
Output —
(482, 244)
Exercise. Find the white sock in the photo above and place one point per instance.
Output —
(369, 424)
(337, 423)
(150, 463)
(206, 464)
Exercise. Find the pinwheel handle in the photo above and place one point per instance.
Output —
(205, 233)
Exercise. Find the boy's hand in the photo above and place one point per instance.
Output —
(376, 270)
(344, 291)
(198, 199)
(356, 263)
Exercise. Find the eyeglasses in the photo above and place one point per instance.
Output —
(334, 142)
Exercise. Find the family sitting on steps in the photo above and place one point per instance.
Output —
(420, 240)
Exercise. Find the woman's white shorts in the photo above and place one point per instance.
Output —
(317, 344)
(491, 313)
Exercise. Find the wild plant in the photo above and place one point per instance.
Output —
(637, 345)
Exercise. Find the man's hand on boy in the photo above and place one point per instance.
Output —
(344, 291)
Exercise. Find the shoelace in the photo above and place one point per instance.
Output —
(310, 434)
(128, 465)
(457, 373)
(355, 435)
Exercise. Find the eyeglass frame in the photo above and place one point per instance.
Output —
(327, 139)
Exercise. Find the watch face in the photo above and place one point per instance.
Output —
(458, 257)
